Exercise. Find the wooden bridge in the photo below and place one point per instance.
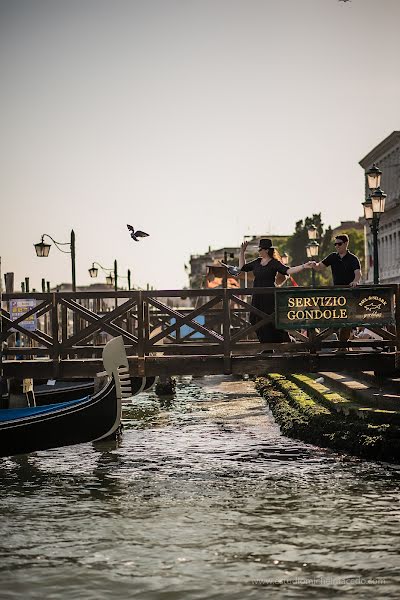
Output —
(61, 335)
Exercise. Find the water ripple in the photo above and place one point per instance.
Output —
(204, 498)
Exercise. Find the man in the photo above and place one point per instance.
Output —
(346, 270)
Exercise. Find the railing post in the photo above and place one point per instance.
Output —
(55, 335)
(226, 331)
(141, 334)
(64, 327)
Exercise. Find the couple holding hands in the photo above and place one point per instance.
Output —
(269, 271)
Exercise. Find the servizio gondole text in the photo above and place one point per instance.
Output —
(317, 307)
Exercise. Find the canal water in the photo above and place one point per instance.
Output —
(203, 499)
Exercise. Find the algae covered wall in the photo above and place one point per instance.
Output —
(317, 419)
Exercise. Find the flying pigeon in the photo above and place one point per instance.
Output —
(136, 234)
(234, 271)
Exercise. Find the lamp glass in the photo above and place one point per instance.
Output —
(312, 249)
(378, 199)
(312, 232)
(93, 271)
(374, 177)
(109, 280)
(368, 212)
(42, 249)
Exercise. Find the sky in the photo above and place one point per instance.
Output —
(197, 121)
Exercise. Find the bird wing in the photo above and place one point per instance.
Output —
(141, 234)
(130, 228)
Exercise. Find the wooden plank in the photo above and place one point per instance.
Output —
(206, 365)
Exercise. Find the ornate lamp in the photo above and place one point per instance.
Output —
(312, 232)
(378, 198)
(42, 249)
(312, 249)
(374, 177)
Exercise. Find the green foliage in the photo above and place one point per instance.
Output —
(297, 242)
(296, 248)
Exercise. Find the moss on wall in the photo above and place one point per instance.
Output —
(302, 416)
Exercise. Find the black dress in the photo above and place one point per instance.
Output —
(264, 276)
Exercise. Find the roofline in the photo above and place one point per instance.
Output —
(380, 149)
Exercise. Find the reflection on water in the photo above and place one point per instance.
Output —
(203, 498)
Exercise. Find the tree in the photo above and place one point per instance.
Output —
(296, 248)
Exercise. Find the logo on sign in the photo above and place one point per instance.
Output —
(373, 306)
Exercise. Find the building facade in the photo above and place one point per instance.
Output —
(386, 156)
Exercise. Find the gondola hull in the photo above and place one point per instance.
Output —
(91, 418)
(24, 430)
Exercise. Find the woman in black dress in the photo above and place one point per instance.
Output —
(265, 269)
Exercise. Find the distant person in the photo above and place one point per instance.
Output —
(265, 268)
(346, 270)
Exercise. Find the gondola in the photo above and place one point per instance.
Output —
(62, 391)
(91, 418)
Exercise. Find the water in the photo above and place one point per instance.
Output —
(204, 499)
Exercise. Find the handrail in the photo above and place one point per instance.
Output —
(149, 324)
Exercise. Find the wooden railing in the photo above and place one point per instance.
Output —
(70, 330)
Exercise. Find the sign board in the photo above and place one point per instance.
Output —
(20, 306)
(302, 308)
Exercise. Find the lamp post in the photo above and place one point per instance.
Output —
(374, 207)
(225, 275)
(312, 250)
(43, 249)
(112, 275)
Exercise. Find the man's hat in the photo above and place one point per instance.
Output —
(265, 244)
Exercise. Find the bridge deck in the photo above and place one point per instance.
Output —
(209, 365)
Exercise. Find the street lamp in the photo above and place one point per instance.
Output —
(43, 249)
(312, 232)
(312, 250)
(373, 177)
(112, 275)
(374, 207)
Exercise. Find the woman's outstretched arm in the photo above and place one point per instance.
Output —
(299, 268)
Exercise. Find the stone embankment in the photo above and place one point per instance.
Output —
(360, 416)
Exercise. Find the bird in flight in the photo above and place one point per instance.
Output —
(136, 234)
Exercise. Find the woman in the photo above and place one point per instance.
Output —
(265, 269)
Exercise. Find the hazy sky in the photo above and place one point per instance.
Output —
(199, 121)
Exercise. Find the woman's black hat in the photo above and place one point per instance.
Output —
(265, 244)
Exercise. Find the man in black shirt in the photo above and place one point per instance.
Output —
(346, 270)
